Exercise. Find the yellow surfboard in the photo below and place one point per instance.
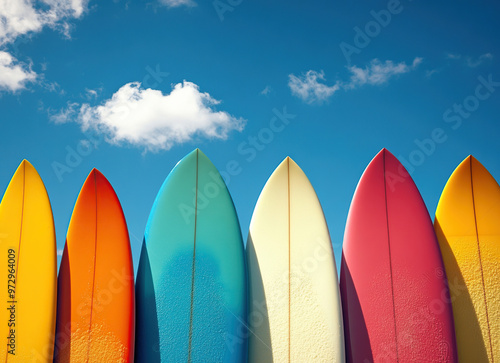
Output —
(295, 311)
(468, 228)
(29, 272)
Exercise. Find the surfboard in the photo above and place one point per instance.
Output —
(295, 310)
(191, 281)
(467, 224)
(28, 279)
(95, 305)
(395, 296)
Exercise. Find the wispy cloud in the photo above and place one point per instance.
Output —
(378, 73)
(177, 3)
(14, 75)
(19, 17)
(453, 56)
(475, 62)
(92, 93)
(469, 61)
(266, 91)
(149, 119)
(60, 251)
(430, 72)
(310, 87)
(66, 114)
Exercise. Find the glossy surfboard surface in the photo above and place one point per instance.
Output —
(191, 281)
(295, 309)
(28, 248)
(95, 311)
(468, 228)
(395, 296)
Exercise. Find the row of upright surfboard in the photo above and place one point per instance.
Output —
(409, 291)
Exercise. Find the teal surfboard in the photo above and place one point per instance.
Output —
(191, 281)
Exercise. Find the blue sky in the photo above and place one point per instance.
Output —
(130, 87)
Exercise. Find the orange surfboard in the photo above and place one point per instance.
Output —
(95, 307)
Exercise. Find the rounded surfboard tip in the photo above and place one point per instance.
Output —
(95, 171)
(25, 168)
(94, 175)
(196, 153)
(382, 152)
(22, 166)
(286, 162)
(466, 167)
(25, 162)
(467, 161)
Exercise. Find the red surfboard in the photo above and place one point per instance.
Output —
(395, 295)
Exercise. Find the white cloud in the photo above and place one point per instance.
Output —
(92, 93)
(473, 63)
(14, 75)
(60, 251)
(177, 3)
(266, 91)
(378, 73)
(19, 17)
(149, 119)
(470, 61)
(66, 114)
(430, 72)
(309, 87)
(453, 56)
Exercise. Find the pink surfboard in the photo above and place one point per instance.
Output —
(395, 296)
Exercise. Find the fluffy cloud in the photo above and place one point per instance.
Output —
(19, 17)
(24, 17)
(177, 3)
(377, 73)
(149, 119)
(14, 75)
(310, 87)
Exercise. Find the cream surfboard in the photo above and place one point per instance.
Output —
(28, 249)
(295, 310)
